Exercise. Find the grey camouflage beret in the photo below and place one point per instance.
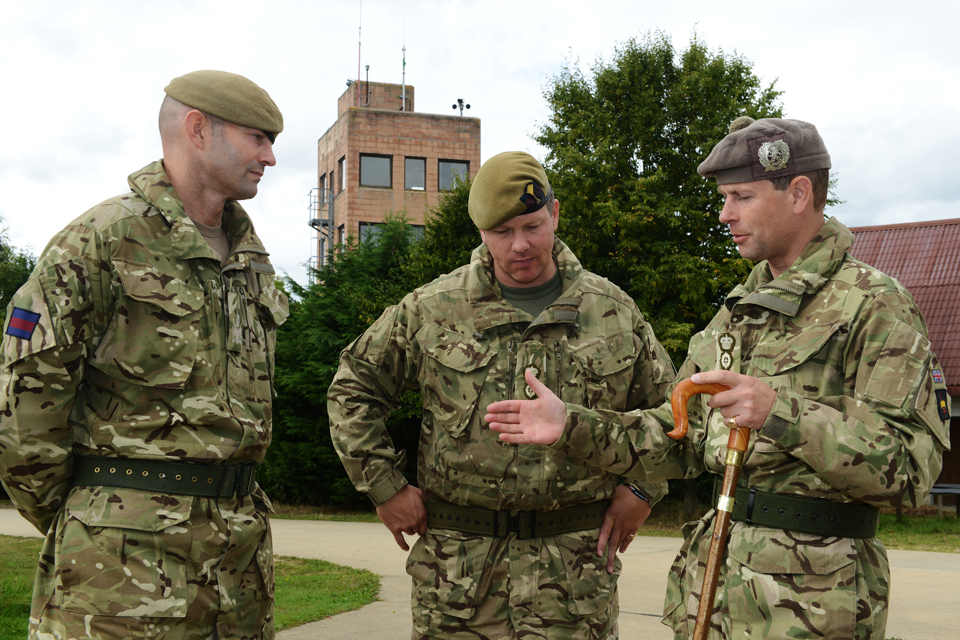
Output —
(765, 149)
(229, 97)
(507, 185)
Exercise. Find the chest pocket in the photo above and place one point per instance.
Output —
(605, 368)
(152, 338)
(782, 358)
(453, 373)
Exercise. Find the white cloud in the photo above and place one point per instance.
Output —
(83, 82)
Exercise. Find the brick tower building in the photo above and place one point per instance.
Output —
(381, 156)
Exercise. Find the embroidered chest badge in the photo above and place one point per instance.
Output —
(774, 155)
(727, 343)
(529, 390)
(22, 323)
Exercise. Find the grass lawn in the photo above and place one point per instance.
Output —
(307, 590)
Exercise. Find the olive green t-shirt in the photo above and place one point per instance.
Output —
(534, 300)
(216, 238)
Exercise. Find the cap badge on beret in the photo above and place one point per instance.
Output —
(533, 197)
(774, 155)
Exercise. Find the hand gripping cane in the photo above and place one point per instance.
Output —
(736, 448)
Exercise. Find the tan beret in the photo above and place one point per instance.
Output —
(229, 97)
(507, 185)
(765, 149)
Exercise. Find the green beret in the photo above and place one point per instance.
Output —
(765, 149)
(229, 97)
(507, 185)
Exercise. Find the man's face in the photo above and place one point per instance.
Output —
(762, 222)
(522, 248)
(236, 160)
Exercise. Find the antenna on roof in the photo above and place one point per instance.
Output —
(359, 39)
(403, 81)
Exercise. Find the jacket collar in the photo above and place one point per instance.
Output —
(818, 262)
(484, 290)
(153, 185)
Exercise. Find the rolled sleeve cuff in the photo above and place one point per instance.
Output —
(785, 415)
(386, 488)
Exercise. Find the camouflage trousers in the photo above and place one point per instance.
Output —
(781, 584)
(474, 587)
(125, 563)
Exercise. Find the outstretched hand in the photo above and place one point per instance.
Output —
(537, 421)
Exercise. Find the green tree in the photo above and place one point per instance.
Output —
(15, 267)
(358, 282)
(449, 237)
(623, 145)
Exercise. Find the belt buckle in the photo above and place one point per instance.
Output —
(245, 479)
(524, 524)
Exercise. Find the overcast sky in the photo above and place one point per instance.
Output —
(82, 83)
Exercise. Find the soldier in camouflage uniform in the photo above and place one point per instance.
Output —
(137, 385)
(498, 556)
(828, 360)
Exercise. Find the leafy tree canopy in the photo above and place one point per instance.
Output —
(359, 280)
(624, 142)
(15, 267)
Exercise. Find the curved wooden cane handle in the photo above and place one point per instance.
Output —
(678, 401)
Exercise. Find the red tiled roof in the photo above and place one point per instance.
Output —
(925, 258)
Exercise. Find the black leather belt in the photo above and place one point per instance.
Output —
(163, 476)
(526, 524)
(805, 515)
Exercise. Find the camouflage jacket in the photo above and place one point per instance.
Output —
(855, 420)
(464, 347)
(141, 346)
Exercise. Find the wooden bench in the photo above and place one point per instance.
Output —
(940, 490)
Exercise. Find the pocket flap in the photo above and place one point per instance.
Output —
(454, 350)
(124, 508)
(608, 355)
(145, 284)
(775, 551)
(778, 356)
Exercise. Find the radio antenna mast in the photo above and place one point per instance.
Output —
(359, 39)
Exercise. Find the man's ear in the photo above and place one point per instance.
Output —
(801, 190)
(483, 235)
(197, 128)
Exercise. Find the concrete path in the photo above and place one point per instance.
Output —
(924, 604)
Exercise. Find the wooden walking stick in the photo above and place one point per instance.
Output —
(736, 448)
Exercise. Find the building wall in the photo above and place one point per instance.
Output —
(388, 131)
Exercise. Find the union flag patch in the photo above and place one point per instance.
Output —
(938, 376)
(22, 323)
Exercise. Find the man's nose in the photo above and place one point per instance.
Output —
(267, 157)
(726, 213)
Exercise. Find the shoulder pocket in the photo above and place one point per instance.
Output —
(153, 335)
(899, 367)
(56, 310)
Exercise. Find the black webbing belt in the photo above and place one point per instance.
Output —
(162, 476)
(805, 515)
(526, 524)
